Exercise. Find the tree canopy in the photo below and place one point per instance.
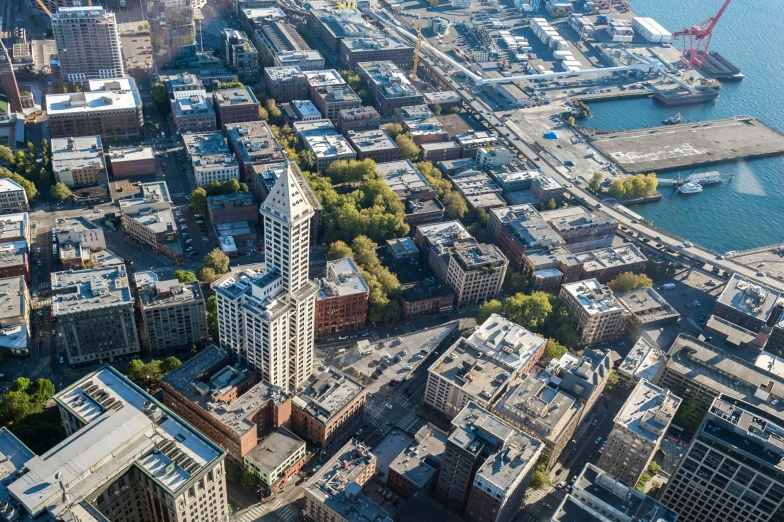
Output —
(634, 186)
(185, 276)
(199, 200)
(408, 149)
(553, 350)
(60, 191)
(628, 281)
(28, 186)
(214, 265)
(159, 98)
(529, 311)
(596, 182)
(383, 304)
(394, 130)
(540, 478)
(147, 374)
(487, 309)
(339, 250)
(347, 171)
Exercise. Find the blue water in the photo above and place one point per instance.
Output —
(748, 212)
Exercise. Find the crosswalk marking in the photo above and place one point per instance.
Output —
(287, 514)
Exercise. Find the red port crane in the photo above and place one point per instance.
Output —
(697, 39)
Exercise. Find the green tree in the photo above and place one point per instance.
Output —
(351, 78)
(690, 413)
(275, 115)
(263, 114)
(540, 478)
(236, 84)
(550, 204)
(339, 250)
(207, 275)
(159, 98)
(628, 281)
(454, 110)
(212, 315)
(455, 206)
(515, 283)
(6, 156)
(487, 309)
(351, 171)
(617, 188)
(199, 200)
(408, 149)
(20, 384)
(654, 468)
(529, 311)
(185, 276)
(655, 487)
(553, 350)
(249, 481)
(596, 182)
(216, 260)
(60, 191)
(41, 390)
(365, 255)
(306, 160)
(170, 364)
(16, 405)
(644, 479)
(394, 130)
(560, 325)
(436, 109)
(612, 380)
(434, 177)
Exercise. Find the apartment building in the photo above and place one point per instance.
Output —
(182, 85)
(475, 272)
(193, 113)
(302, 110)
(15, 321)
(112, 109)
(342, 300)
(126, 457)
(15, 260)
(267, 318)
(331, 99)
(416, 467)
(376, 49)
(174, 315)
(329, 408)
(172, 30)
(388, 86)
(731, 469)
(323, 78)
(13, 197)
(582, 229)
(461, 375)
(642, 362)
(14, 227)
(486, 466)
(276, 458)
(358, 119)
(80, 230)
(597, 314)
(638, 430)
(597, 496)
(305, 60)
(423, 125)
(550, 415)
(405, 180)
(229, 208)
(321, 138)
(132, 162)
(210, 158)
(478, 190)
(88, 44)
(253, 144)
(150, 219)
(94, 310)
(582, 377)
(501, 339)
(648, 308)
(420, 298)
(331, 28)
(78, 161)
(241, 54)
(208, 391)
(235, 105)
(286, 84)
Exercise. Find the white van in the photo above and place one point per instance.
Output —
(668, 286)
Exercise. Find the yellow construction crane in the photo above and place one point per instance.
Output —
(43, 8)
(416, 53)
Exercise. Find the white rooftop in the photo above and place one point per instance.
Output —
(506, 341)
(594, 298)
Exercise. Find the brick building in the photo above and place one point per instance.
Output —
(373, 144)
(342, 300)
(253, 144)
(358, 119)
(132, 162)
(285, 84)
(228, 208)
(355, 50)
(389, 86)
(235, 105)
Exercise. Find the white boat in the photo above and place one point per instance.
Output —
(690, 188)
(706, 178)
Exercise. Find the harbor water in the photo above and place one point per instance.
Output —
(749, 211)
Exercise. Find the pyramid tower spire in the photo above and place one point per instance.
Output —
(286, 201)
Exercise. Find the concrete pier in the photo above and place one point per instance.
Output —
(674, 147)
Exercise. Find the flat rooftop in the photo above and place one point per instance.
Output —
(664, 149)
(420, 461)
(648, 411)
(373, 44)
(479, 256)
(241, 199)
(195, 105)
(371, 141)
(272, 452)
(63, 105)
(390, 81)
(391, 446)
(643, 361)
(594, 298)
(444, 232)
(118, 155)
(254, 142)
(81, 152)
(327, 394)
(208, 375)
(122, 426)
(571, 219)
(328, 145)
(92, 289)
(322, 127)
(752, 299)
(403, 246)
(76, 224)
(615, 256)
(234, 97)
(171, 292)
(208, 149)
(647, 305)
(13, 254)
(286, 73)
(323, 78)
(306, 109)
(402, 177)
(464, 366)
(506, 341)
(342, 279)
(14, 225)
(336, 94)
(13, 297)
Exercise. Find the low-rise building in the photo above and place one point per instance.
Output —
(334, 492)
(423, 125)
(422, 298)
(462, 375)
(373, 144)
(15, 260)
(597, 314)
(491, 157)
(80, 230)
(13, 197)
(442, 235)
(174, 315)
(328, 409)
(550, 415)
(111, 109)
(185, 82)
(582, 377)
(323, 78)
(253, 144)
(503, 340)
(132, 162)
(235, 105)
(582, 229)
(193, 113)
(14, 227)
(747, 304)
(447, 100)
(416, 467)
(597, 496)
(475, 271)
(388, 86)
(546, 269)
(638, 430)
(402, 248)
(443, 151)
(304, 110)
(380, 48)
(321, 138)
(422, 212)
(331, 27)
(486, 467)
(285, 84)
(471, 141)
(210, 158)
(479, 190)
(94, 310)
(209, 392)
(279, 35)
(15, 320)
(276, 458)
(331, 99)
(607, 263)
(648, 308)
(342, 300)
(306, 60)
(405, 180)
(643, 362)
(78, 161)
(358, 119)
(229, 208)
(150, 220)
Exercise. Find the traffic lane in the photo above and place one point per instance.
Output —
(135, 252)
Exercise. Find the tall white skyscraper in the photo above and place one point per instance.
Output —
(88, 44)
(266, 316)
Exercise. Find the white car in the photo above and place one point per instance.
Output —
(407, 367)
(184, 227)
(389, 406)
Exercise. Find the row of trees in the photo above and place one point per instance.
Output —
(23, 168)
(383, 303)
(147, 374)
(455, 207)
(216, 188)
(628, 281)
(635, 186)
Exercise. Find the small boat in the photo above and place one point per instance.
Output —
(690, 188)
(672, 120)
